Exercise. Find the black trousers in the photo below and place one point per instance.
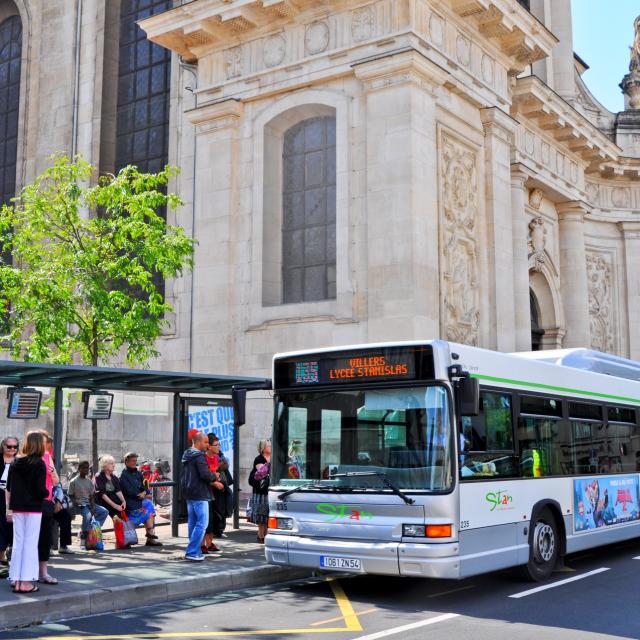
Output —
(63, 518)
(46, 534)
(6, 529)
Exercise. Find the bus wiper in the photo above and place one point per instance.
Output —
(379, 474)
(308, 485)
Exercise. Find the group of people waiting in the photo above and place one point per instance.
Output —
(32, 498)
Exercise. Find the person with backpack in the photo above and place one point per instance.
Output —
(196, 488)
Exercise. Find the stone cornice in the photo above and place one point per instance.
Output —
(573, 210)
(625, 168)
(219, 115)
(517, 32)
(498, 123)
(535, 102)
(630, 229)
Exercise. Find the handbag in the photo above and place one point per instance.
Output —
(249, 511)
(125, 532)
(93, 537)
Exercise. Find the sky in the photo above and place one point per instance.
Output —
(602, 35)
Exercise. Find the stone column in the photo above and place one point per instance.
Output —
(631, 235)
(574, 285)
(563, 63)
(498, 130)
(520, 221)
(216, 203)
(401, 197)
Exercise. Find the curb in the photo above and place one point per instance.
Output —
(97, 601)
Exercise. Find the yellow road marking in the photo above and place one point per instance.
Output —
(338, 618)
(346, 609)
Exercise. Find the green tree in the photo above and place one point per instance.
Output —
(80, 288)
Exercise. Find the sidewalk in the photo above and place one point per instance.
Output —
(115, 579)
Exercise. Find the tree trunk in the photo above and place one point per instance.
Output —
(94, 446)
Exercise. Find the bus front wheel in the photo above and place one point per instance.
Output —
(544, 547)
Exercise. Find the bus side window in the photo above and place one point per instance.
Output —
(488, 439)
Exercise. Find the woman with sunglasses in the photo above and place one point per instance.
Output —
(8, 452)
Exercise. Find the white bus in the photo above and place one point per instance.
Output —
(440, 460)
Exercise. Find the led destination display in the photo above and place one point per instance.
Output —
(391, 364)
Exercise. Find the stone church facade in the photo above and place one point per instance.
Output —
(353, 170)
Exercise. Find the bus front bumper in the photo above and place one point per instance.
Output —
(383, 558)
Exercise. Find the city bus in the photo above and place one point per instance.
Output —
(440, 460)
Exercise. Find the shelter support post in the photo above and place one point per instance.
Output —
(177, 451)
(57, 426)
(236, 476)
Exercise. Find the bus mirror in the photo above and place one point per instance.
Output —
(468, 392)
(239, 399)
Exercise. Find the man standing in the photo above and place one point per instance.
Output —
(196, 486)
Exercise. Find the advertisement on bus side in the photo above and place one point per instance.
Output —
(605, 501)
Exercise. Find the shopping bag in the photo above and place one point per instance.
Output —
(93, 537)
(249, 511)
(125, 531)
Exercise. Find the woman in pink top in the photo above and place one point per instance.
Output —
(46, 525)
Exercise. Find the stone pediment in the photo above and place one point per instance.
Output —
(587, 104)
(535, 102)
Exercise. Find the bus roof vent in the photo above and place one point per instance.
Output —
(588, 360)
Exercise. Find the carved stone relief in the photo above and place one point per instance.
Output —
(362, 24)
(463, 50)
(537, 243)
(459, 229)
(316, 38)
(436, 29)
(486, 67)
(600, 278)
(535, 198)
(274, 50)
(233, 62)
(593, 192)
(620, 197)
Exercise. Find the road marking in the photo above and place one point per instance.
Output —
(344, 604)
(408, 627)
(636, 558)
(559, 583)
(338, 618)
(446, 593)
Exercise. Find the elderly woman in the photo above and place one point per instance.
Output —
(8, 452)
(259, 481)
(108, 491)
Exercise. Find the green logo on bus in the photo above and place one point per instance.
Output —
(341, 511)
(498, 498)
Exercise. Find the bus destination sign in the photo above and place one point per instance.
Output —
(386, 364)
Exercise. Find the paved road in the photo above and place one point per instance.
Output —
(599, 601)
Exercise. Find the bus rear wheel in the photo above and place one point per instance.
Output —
(543, 547)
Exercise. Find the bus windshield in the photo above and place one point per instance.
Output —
(403, 434)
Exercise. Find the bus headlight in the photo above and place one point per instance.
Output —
(280, 523)
(428, 531)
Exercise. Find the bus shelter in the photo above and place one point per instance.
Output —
(182, 386)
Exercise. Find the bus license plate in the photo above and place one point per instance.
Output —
(331, 562)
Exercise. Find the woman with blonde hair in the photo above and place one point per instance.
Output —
(108, 491)
(259, 481)
(26, 492)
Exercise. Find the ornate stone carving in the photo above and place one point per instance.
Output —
(362, 23)
(463, 50)
(436, 29)
(537, 242)
(486, 66)
(459, 228)
(634, 65)
(274, 50)
(600, 279)
(316, 38)
(535, 198)
(630, 84)
(593, 192)
(620, 197)
(529, 142)
(233, 62)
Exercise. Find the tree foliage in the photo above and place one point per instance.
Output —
(81, 283)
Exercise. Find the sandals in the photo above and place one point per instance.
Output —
(47, 579)
(33, 589)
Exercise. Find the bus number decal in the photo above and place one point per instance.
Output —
(464, 524)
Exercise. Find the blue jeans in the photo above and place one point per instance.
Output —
(198, 518)
(85, 512)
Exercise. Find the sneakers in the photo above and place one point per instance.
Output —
(212, 548)
(65, 550)
(194, 558)
(152, 543)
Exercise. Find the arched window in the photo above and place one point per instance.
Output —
(10, 62)
(143, 90)
(536, 331)
(309, 211)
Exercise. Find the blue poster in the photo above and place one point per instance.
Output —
(605, 501)
(215, 419)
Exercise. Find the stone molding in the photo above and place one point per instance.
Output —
(213, 117)
(402, 68)
(497, 123)
(534, 102)
(572, 211)
(630, 229)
